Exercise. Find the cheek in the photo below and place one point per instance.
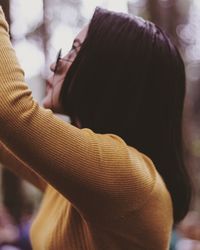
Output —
(56, 91)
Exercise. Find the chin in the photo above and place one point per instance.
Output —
(46, 105)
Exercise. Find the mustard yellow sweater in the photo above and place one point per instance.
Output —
(100, 194)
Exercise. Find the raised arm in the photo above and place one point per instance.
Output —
(85, 167)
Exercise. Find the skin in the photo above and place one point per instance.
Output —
(55, 82)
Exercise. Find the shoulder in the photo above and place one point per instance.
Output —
(130, 175)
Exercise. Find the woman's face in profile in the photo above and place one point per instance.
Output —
(60, 68)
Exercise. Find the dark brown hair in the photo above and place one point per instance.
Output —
(129, 79)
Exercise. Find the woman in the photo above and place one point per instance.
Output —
(115, 179)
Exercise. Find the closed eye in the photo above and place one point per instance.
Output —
(76, 44)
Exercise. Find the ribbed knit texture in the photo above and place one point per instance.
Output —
(101, 194)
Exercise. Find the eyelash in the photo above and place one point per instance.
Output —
(73, 48)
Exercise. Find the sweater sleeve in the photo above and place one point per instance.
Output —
(19, 168)
(85, 167)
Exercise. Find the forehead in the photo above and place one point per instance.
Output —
(82, 34)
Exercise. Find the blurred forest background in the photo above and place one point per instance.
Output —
(39, 28)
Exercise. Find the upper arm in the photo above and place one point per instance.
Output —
(87, 168)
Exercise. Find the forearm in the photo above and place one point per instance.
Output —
(81, 165)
